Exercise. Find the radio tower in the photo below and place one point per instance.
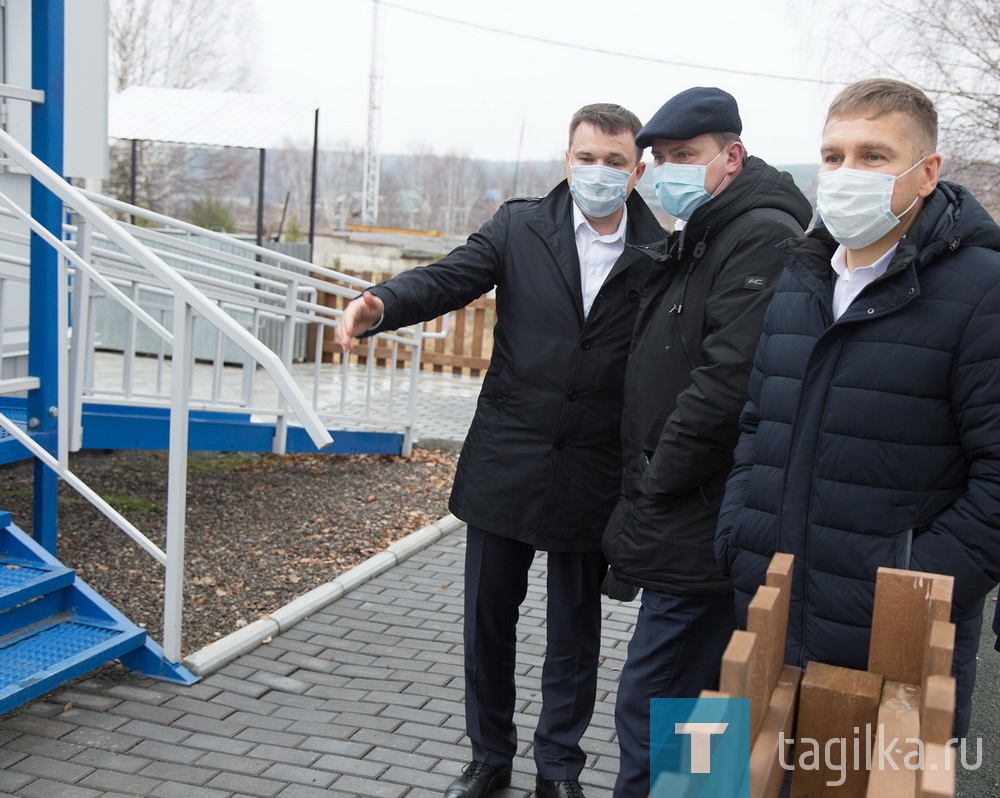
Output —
(369, 194)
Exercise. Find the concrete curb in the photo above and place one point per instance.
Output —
(223, 651)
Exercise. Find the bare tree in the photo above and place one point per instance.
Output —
(951, 49)
(181, 44)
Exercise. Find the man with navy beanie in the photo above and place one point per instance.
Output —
(685, 383)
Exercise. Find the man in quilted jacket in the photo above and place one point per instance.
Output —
(872, 432)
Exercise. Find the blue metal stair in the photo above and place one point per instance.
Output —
(54, 628)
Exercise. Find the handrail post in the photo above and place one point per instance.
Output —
(62, 362)
(411, 402)
(180, 392)
(80, 341)
(280, 442)
(47, 75)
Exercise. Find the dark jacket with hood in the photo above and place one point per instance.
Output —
(542, 459)
(874, 440)
(686, 379)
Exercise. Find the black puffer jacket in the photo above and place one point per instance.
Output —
(686, 380)
(542, 460)
(875, 439)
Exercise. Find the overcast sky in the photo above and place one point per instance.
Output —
(456, 88)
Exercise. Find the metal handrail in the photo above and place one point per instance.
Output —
(180, 286)
(187, 299)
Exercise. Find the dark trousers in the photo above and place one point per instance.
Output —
(675, 652)
(496, 582)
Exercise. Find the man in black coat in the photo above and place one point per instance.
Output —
(872, 432)
(540, 467)
(685, 385)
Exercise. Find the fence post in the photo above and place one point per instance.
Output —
(180, 392)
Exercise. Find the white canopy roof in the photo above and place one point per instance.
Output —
(213, 118)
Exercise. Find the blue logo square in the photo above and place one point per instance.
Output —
(699, 747)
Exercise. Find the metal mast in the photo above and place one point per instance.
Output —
(369, 195)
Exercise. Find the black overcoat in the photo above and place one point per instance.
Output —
(542, 459)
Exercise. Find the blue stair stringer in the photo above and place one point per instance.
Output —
(54, 627)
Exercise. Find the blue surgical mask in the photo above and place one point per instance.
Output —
(680, 187)
(599, 190)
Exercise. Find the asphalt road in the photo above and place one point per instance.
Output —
(984, 781)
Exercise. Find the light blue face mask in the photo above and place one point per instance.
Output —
(599, 190)
(680, 187)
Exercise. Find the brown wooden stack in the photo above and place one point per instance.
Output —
(836, 714)
(907, 695)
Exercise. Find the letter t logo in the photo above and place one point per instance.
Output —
(701, 743)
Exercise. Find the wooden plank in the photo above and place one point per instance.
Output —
(779, 572)
(940, 650)
(937, 778)
(937, 710)
(900, 625)
(940, 598)
(766, 622)
(766, 756)
(899, 721)
(833, 703)
(738, 669)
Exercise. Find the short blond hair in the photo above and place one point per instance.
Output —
(880, 96)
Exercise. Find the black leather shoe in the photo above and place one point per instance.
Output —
(557, 789)
(478, 780)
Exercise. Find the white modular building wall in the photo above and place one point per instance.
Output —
(85, 144)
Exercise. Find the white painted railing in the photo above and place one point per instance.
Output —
(235, 294)
(275, 297)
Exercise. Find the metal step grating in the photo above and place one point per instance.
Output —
(49, 647)
(13, 576)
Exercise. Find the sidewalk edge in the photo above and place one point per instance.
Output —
(223, 651)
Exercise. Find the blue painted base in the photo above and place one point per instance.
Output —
(117, 427)
(121, 427)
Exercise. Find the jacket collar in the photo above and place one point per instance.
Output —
(552, 221)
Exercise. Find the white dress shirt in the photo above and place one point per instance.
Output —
(849, 284)
(598, 254)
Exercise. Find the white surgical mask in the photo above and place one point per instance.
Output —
(856, 205)
(680, 187)
(599, 190)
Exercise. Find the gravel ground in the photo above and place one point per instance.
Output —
(261, 529)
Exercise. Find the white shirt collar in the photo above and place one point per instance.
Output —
(877, 269)
(579, 219)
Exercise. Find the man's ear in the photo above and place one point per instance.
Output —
(734, 158)
(930, 170)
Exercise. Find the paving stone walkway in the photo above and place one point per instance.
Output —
(362, 699)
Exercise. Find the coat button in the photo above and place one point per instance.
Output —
(572, 396)
(560, 443)
(871, 311)
(586, 345)
(631, 293)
